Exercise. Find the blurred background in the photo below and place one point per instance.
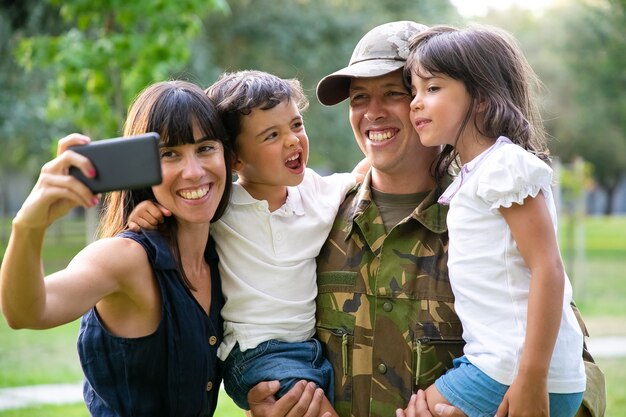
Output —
(75, 65)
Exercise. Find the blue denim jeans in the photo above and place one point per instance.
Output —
(477, 395)
(276, 360)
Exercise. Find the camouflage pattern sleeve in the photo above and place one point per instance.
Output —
(385, 310)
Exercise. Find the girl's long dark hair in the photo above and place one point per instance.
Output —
(496, 75)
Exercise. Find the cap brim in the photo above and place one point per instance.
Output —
(334, 88)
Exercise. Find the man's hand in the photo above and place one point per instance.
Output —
(303, 400)
(418, 407)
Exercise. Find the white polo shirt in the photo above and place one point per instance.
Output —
(488, 275)
(267, 260)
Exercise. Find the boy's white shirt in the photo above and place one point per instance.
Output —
(267, 260)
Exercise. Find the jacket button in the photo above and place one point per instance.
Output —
(387, 306)
(212, 340)
(209, 386)
(382, 368)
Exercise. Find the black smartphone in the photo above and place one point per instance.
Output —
(121, 163)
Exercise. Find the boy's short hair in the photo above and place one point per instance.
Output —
(236, 94)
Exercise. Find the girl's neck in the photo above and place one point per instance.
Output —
(275, 195)
(471, 145)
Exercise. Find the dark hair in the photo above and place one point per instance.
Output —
(172, 109)
(238, 93)
(490, 64)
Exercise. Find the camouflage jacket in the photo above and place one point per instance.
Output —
(385, 310)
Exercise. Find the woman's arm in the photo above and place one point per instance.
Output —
(22, 287)
(533, 232)
(103, 269)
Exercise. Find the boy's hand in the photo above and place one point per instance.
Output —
(147, 215)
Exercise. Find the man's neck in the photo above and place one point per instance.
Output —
(408, 183)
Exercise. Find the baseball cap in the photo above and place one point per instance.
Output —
(382, 50)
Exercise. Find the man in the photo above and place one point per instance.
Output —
(382, 275)
(385, 310)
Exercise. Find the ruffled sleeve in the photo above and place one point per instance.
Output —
(510, 175)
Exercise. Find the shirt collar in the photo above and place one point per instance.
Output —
(468, 169)
(428, 212)
(293, 205)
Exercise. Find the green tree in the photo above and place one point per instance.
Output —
(106, 53)
(592, 122)
(577, 49)
(306, 39)
(23, 125)
(110, 51)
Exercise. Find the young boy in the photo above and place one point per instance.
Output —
(279, 216)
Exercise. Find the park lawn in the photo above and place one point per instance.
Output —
(29, 357)
(42, 357)
(598, 278)
(225, 408)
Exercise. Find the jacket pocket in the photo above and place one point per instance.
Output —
(432, 357)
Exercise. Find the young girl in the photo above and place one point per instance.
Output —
(150, 301)
(279, 216)
(523, 347)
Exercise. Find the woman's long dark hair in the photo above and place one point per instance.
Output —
(170, 108)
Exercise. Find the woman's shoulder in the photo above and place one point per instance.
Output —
(115, 253)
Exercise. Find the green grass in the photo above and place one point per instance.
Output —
(42, 357)
(30, 357)
(70, 410)
(597, 276)
(225, 408)
(615, 372)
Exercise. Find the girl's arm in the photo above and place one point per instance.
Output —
(533, 232)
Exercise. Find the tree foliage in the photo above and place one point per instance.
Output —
(594, 54)
(85, 61)
(577, 48)
(307, 39)
(108, 52)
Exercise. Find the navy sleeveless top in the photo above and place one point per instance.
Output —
(172, 372)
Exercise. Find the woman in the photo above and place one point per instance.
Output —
(149, 301)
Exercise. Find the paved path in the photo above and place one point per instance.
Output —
(40, 394)
(607, 347)
(603, 347)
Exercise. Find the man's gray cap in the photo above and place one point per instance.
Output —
(381, 51)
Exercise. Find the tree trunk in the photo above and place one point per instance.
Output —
(610, 200)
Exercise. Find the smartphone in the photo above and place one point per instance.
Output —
(121, 163)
